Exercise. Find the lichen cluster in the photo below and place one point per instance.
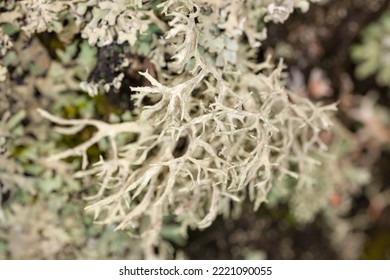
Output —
(209, 122)
(372, 54)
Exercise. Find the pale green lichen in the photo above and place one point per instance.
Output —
(211, 126)
(372, 55)
(243, 131)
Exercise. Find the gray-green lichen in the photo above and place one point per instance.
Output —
(211, 124)
(372, 55)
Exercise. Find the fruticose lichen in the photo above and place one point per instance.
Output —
(372, 55)
(212, 123)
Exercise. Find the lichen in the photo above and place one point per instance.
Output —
(212, 125)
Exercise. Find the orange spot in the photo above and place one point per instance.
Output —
(335, 200)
